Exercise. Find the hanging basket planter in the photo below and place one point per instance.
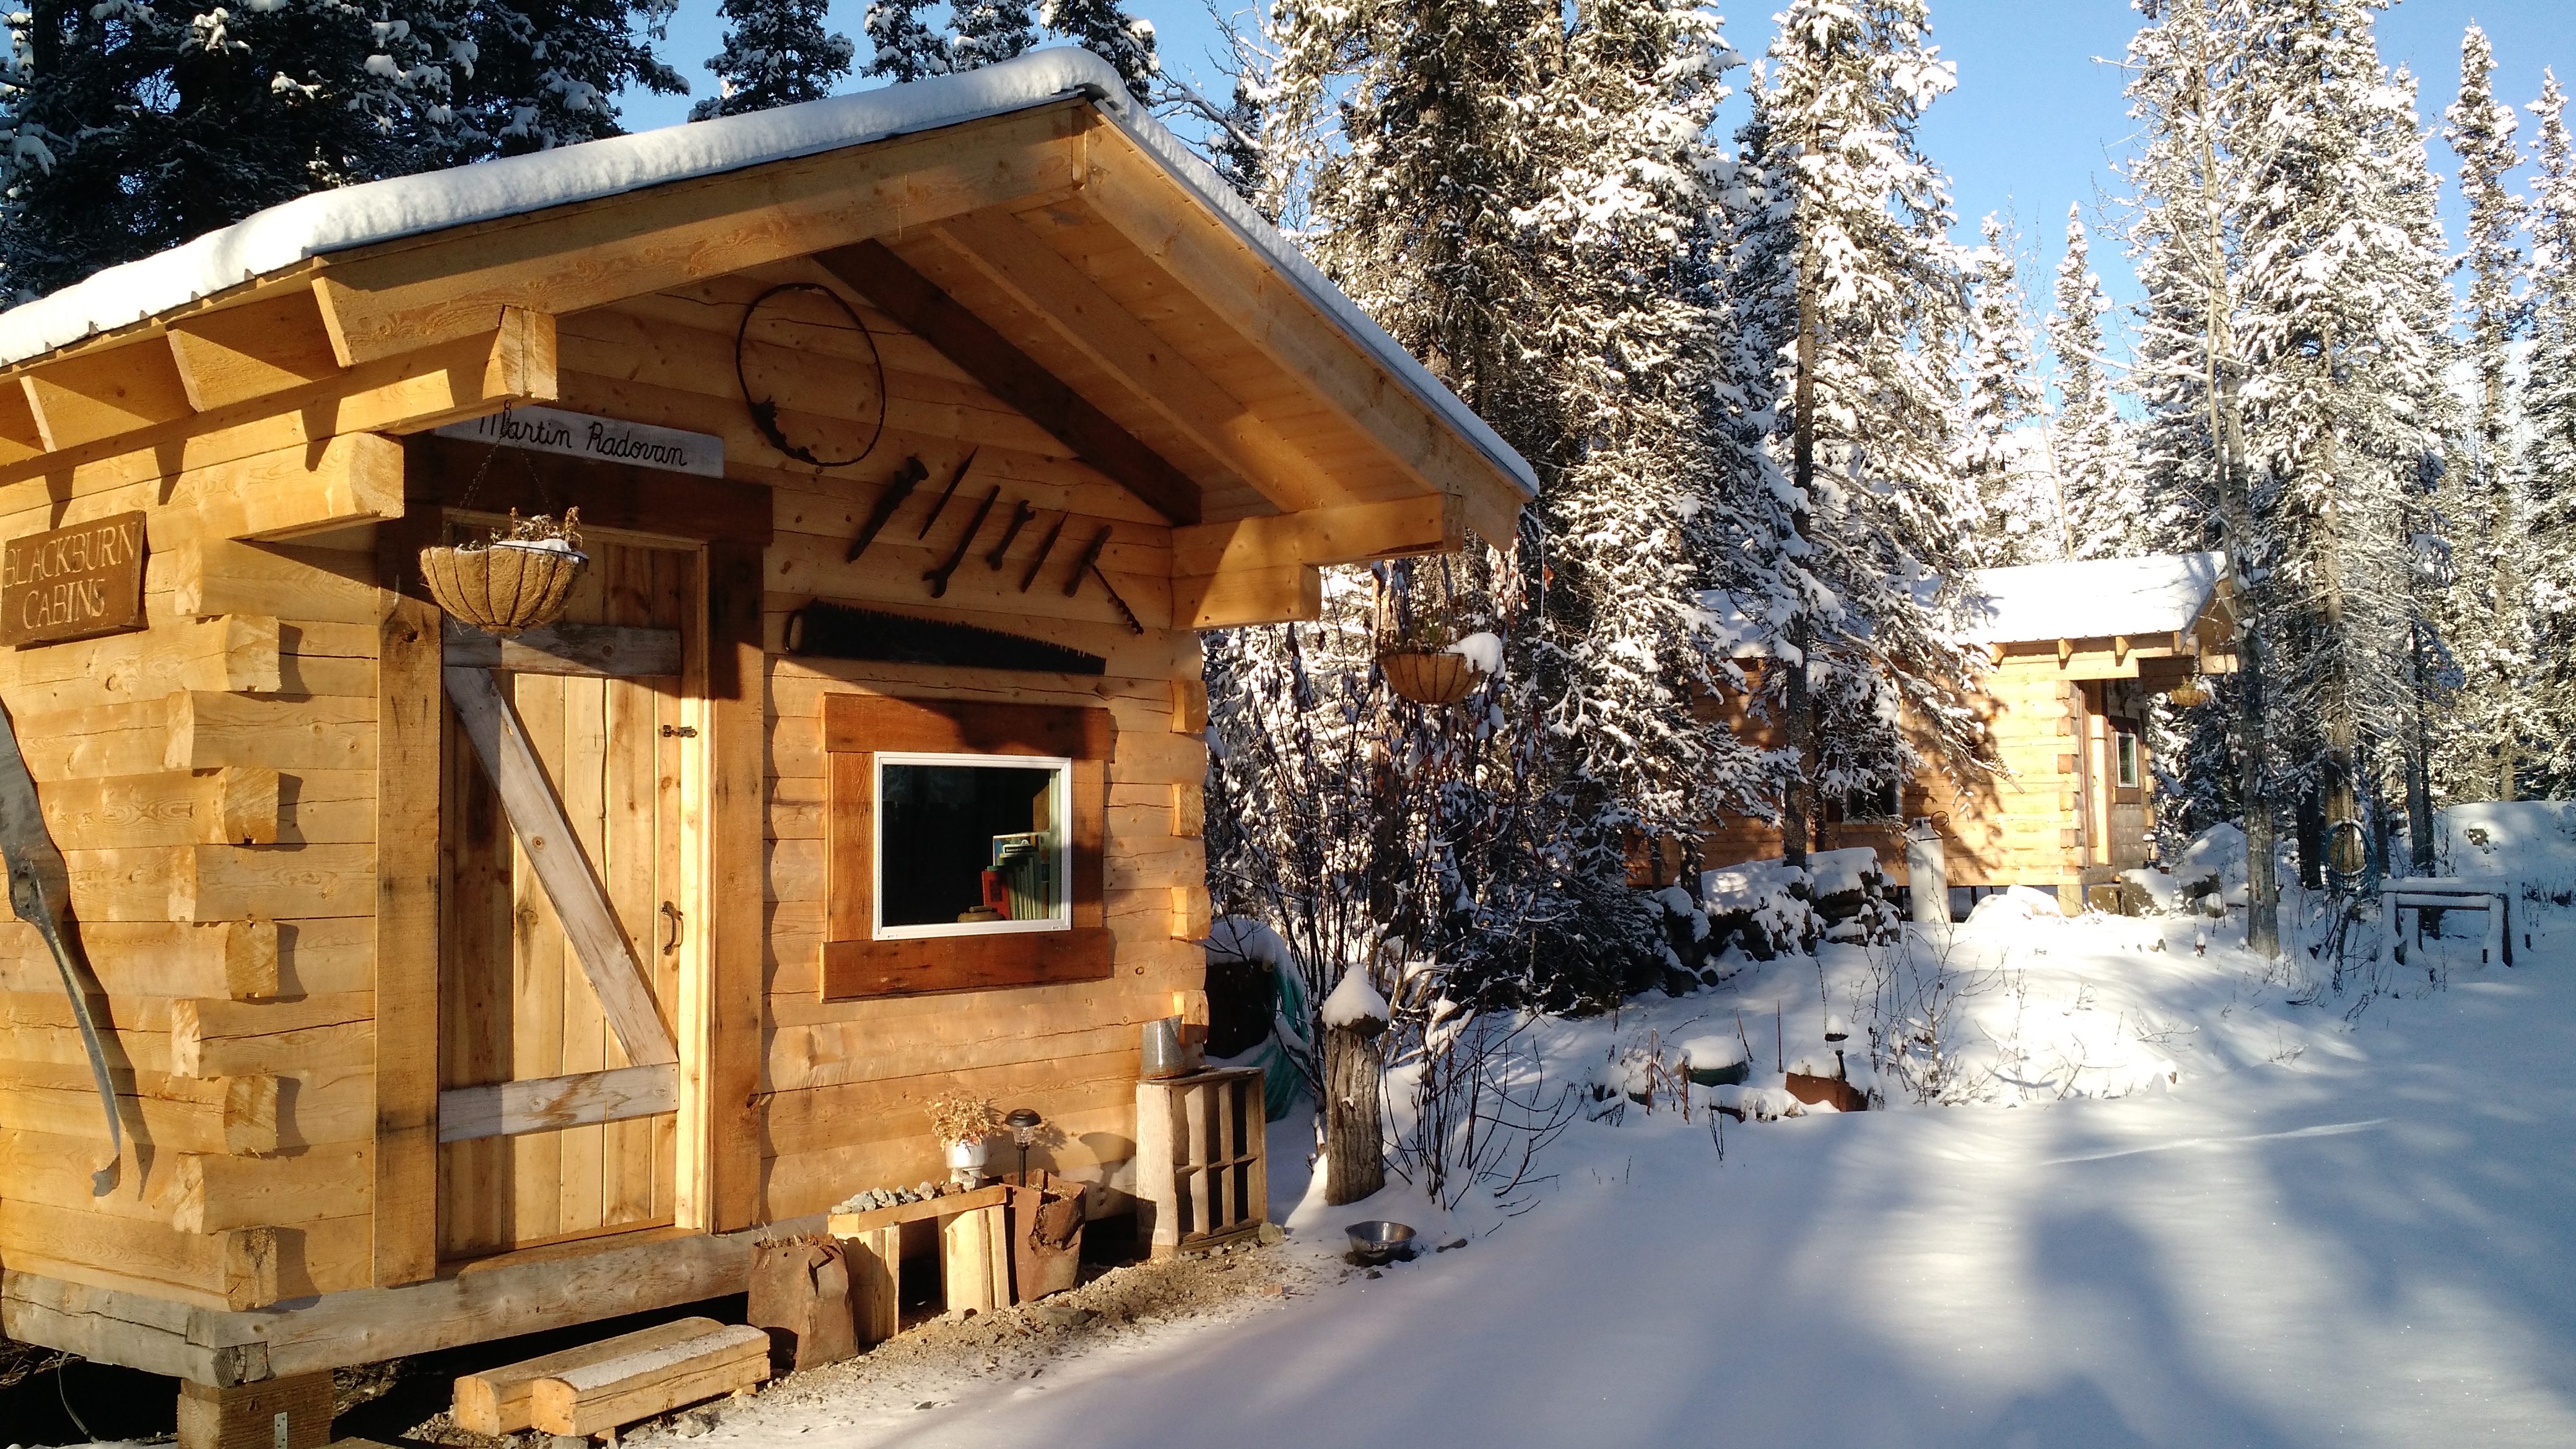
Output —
(2189, 693)
(517, 581)
(1427, 677)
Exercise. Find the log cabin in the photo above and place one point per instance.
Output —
(2074, 655)
(456, 986)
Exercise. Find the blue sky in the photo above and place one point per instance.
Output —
(2036, 123)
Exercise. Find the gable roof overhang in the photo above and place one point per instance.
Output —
(2102, 617)
(1057, 242)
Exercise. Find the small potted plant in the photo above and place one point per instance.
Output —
(960, 1122)
(516, 580)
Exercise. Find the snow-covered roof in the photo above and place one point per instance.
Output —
(2093, 598)
(356, 216)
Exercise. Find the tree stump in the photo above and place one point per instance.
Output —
(1354, 1141)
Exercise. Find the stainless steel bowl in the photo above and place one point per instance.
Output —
(1379, 1241)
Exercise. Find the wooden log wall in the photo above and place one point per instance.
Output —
(2023, 826)
(211, 781)
(842, 1086)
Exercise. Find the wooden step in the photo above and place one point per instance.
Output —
(643, 1380)
(503, 1400)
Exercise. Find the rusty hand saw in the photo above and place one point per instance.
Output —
(38, 881)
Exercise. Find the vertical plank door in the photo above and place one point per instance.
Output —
(519, 1019)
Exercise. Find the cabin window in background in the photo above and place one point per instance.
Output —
(1879, 802)
(971, 844)
(2124, 749)
(963, 845)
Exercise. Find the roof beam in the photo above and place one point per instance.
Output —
(876, 273)
(102, 394)
(1088, 320)
(254, 351)
(402, 295)
(1133, 193)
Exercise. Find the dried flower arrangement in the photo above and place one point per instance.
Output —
(958, 1118)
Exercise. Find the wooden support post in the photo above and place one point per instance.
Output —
(410, 728)
(875, 1256)
(285, 1413)
(975, 1260)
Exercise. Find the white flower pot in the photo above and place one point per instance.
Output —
(966, 1161)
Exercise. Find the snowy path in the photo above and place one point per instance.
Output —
(2370, 1244)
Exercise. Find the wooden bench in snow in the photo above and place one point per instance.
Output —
(614, 1381)
(2495, 898)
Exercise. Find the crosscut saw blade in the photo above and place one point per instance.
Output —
(39, 883)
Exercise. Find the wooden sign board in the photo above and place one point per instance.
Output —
(71, 583)
(601, 440)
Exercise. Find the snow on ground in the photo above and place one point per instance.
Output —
(2180, 1211)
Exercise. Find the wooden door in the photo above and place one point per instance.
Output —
(559, 972)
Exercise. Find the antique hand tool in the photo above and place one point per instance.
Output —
(33, 862)
(1090, 556)
(1128, 614)
(1021, 513)
(941, 506)
(905, 479)
(1046, 546)
(938, 577)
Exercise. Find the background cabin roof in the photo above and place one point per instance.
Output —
(338, 221)
(2093, 598)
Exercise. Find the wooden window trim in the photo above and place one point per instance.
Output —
(856, 728)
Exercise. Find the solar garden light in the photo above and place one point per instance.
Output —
(1024, 1125)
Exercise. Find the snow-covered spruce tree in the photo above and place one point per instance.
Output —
(902, 46)
(2342, 311)
(2188, 372)
(1101, 27)
(135, 127)
(776, 53)
(2489, 605)
(2018, 518)
(2106, 516)
(1877, 521)
(2546, 467)
(536, 74)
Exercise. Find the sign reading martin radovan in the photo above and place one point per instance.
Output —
(605, 440)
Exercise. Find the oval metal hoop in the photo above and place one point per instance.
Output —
(764, 411)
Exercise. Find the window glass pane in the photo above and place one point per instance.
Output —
(966, 844)
(2128, 758)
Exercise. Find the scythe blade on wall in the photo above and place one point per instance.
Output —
(39, 891)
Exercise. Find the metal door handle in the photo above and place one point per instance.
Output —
(671, 913)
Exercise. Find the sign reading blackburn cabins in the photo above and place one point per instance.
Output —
(71, 583)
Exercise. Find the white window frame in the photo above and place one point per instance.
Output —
(1062, 826)
(2125, 763)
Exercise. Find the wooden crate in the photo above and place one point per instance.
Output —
(1201, 1178)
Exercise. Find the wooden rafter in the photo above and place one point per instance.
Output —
(875, 272)
(1083, 317)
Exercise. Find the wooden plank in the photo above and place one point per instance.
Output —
(851, 1225)
(875, 272)
(869, 722)
(971, 1245)
(219, 576)
(1356, 533)
(609, 650)
(537, 817)
(1130, 191)
(408, 791)
(725, 1191)
(609, 495)
(1281, 594)
(589, 1398)
(234, 959)
(392, 298)
(232, 805)
(1190, 912)
(233, 652)
(211, 1194)
(259, 349)
(547, 1104)
(857, 969)
(1088, 320)
(219, 1038)
(286, 1413)
(356, 478)
(209, 731)
(101, 394)
(501, 1400)
(875, 1259)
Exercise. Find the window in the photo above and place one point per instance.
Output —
(2124, 747)
(968, 844)
(1875, 802)
(963, 845)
